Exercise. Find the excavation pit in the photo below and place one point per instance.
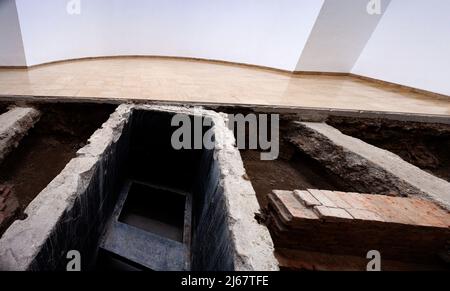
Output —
(129, 201)
(211, 227)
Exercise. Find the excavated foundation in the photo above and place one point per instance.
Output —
(128, 200)
(129, 163)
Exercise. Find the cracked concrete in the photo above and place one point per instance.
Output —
(14, 125)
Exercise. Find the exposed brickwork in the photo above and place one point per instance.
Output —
(9, 207)
(404, 229)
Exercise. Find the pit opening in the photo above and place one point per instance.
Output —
(173, 215)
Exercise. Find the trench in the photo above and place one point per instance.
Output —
(49, 146)
(425, 145)
(165, 204)
(171, 206)
(291, 170)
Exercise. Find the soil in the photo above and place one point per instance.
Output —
(3, 107)
(292, 170)
(49, 146)
(424, 145)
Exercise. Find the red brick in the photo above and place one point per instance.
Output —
(407, 229)
(306, 198)
(338, 201)
(332, 213)
(322, 198)
(352, 199)
(293, 206)
(362, 214)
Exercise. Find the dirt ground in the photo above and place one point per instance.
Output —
(290, 171)
(3, 108)
(49, 146)
(426, 146)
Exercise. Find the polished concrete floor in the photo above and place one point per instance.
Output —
(198, 81)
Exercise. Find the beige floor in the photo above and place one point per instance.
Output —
(183, 80)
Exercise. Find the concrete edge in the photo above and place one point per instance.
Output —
(14, 125)
(253, 243)
(318, 113)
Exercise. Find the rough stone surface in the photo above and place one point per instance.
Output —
(252, 243)
(366, 168)
(14, 125)
(424, 145)
(9, 207)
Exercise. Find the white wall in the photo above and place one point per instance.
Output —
(411, 46)
(11, 47)
(262, 32)
(339, 35)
